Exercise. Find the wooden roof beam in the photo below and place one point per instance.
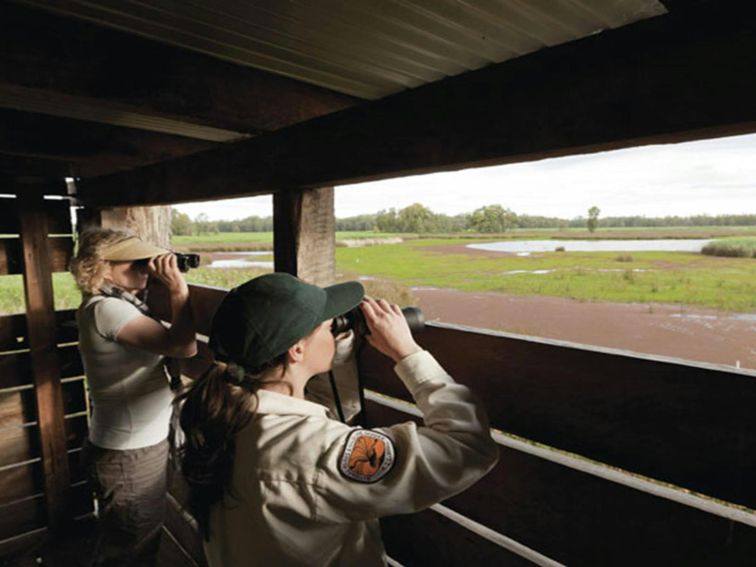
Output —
(685, 75)
(81, 148)
(68, 64)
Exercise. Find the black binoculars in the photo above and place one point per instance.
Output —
(186, 261)
(355, 320)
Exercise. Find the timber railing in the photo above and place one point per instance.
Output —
(607, 458)
(43, 407)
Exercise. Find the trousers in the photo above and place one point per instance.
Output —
(130, 488)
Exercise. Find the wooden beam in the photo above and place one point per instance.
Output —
(567, 515)
(59, 248)
(40, 314)
(287, 219)
(14, 165)
(690, 425)
(303, 234)
(682, 76)
(87, 148)
(88, 63)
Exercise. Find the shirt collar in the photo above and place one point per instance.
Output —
(270, 402)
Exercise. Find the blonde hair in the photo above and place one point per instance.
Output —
(88, 267)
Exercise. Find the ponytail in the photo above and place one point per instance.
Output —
(212, 411)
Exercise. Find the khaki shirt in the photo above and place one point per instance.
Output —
(309, 489)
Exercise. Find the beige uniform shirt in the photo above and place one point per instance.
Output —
(309, 489)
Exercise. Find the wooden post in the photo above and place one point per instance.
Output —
(152, 224)
(304, 238)
(41, 328)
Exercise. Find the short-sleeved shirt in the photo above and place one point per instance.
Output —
(130, 394)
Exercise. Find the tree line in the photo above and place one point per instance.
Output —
(418, 218)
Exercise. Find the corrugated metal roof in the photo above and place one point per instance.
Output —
(364, 48)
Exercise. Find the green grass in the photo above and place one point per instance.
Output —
(672, 277)
(65, 293)
(644, 277)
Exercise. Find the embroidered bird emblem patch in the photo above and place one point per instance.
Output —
(367, 456)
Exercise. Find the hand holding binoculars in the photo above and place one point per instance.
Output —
(355, 320)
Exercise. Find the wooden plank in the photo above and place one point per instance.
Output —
(20, 482)
(692, 426)
(19, 444)
(76, 429)
(429, 539)
(59, 218)
(17, 407)
(40, 313)
(90, 148)
(171, 554)
(74, 397)
(649, 82)
(65, 323)
(205, 302)
(60, 251)
(15, 370)
(38, 547)
(23, 545)
(75, 466)
(71, 364)
(12, 333)
(82, 499)
(12, 165)
(184, 532)
(13, 330)
(22, 516)
(580, 519)
(196, 366)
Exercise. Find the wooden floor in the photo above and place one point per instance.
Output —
(75, 550)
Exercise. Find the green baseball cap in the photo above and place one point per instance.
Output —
(261, 319)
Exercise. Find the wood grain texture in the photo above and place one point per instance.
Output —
(41, 328)
(692, 426)
(576, 518)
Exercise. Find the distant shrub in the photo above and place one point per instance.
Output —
(732, 248)
(628, 276)
(559, 249)
(624, 258)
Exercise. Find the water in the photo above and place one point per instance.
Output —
(523, 247)
(243, 261)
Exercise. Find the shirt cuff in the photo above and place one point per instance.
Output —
(420, 367)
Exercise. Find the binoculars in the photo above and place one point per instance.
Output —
(355, 320)
(186, 261)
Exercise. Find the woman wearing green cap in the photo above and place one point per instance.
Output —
(273, 479)
(123, 351)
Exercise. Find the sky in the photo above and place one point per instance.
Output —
(703, 177)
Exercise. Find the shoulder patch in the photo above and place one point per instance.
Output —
(367, 457)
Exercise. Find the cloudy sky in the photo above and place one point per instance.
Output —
(710, 176)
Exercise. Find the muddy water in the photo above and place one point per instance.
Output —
(527, 246)
(703, 335)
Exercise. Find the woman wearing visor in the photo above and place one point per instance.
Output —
(274, 480)
(123, 350)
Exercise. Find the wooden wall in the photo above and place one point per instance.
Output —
(43, 409)
(606, 458)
